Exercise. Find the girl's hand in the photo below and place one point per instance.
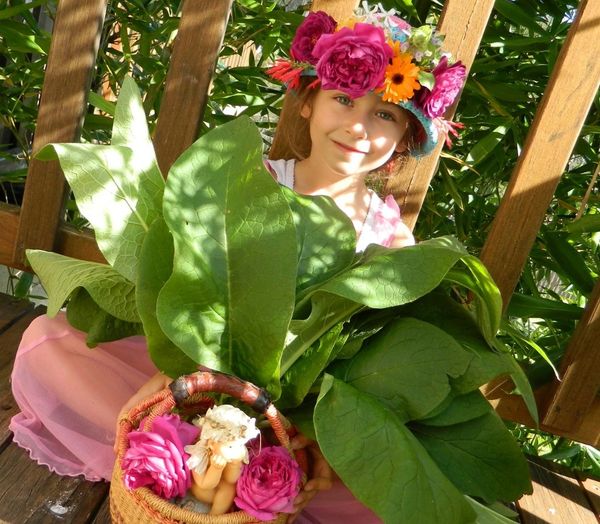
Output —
(403, 236)
(157, 383)
(320, 474)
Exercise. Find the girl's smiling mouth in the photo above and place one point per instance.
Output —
(348, 149)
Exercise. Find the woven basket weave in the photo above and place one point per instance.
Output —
(141, 505)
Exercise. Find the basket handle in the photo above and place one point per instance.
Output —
(209, 380)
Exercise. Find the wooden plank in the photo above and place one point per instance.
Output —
(195, 52)
(579, 367)
(557, 124)
(9, 342)
(11, 309)
(71, 62)
(103, 515)
(463, 23)
(592, 492)
(557, 498)
(30, 493)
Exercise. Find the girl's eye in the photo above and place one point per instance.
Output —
(344, 100)
(386, 115)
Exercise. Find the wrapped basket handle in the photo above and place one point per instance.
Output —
(208, 380)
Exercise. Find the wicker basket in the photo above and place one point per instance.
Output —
(142, 505)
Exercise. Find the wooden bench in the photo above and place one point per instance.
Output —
(29, 493)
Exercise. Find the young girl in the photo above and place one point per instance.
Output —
(367, 93)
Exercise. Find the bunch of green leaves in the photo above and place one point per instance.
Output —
(220, 265)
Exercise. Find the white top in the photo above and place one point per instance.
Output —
(382, 217)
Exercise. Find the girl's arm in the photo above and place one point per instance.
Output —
(157, 383)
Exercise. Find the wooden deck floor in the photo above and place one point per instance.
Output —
(31, 494)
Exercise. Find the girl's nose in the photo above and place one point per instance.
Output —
(357, 130)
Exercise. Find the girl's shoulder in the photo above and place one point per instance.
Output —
(282, 171)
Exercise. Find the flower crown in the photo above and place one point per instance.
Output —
(377, 51)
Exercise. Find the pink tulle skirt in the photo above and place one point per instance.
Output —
(70, 397)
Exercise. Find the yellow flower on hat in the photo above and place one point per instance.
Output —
(400, 80)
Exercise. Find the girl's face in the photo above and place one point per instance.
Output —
(354, 136)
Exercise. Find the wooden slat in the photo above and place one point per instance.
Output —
(463, 23)
(512, 407)
(557, 124)
(9, 224)
(558, 497)
(192, 65)
(78, 244)
(31, 493)
(579, 370)
(71, 62)
(69, 241)
(338, 9)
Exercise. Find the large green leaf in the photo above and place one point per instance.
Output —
(381, 462)
(327, 311)
(439, 309)
(156, 266)
(487, 515)
(297, 381)
(61, 275)
(460, 409)
(479, 455)
(118, 188)
(389, 277)
(230, 298)
(87, 316)
(326, 238)
(488, 305)
(408, 366)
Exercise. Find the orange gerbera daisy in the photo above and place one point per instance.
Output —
(400, 81)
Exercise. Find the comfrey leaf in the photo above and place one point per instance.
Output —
(477, 454)
(325, 237)
(87, 316)
(235, 243)
(407, 366)
(372, 451)
(156, 266)
(118, 188)
(61, 276)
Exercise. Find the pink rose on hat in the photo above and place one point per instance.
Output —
(449, 80)
(269, 484)
(353, 60)
(314, 25)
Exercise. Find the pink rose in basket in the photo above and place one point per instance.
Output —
(269, 484)
(156, 458)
